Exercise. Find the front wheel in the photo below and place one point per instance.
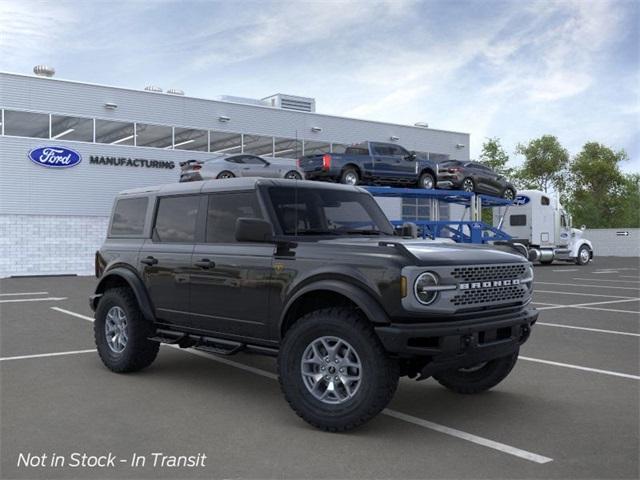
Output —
(427, 181)
(333, 370)
(478, 378)
(509, 194)
(468, 185)
(584, 255)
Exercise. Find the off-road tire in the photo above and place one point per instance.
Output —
(225, 174)
(480, 380)
(345, 175)
(423, 178)
(379, 372)
(579, 260)
(139, 352)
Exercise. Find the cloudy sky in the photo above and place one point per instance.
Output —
(514, 70)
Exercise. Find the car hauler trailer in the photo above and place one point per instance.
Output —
(539, 221)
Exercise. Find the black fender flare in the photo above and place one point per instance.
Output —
(134, 282)
(363, 300)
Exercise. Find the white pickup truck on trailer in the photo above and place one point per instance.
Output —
(539, 222)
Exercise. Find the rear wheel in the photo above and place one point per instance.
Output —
(225, 174)
(293, 175)
(350, 176)
(427, 181)
(584, 255)
(508, 194)
(121, 332)
(468, 185)
(333, 370)
(478, 378)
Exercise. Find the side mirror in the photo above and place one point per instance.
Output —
(411, 157)
(253, 230)
(408, 229)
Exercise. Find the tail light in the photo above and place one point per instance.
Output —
(196, 167)
(299, 162)
(454, 170)
(326, 161)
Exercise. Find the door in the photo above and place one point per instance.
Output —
(404, 164)
(253, 166)
(565, 230)
(165, 260)
(231, 281)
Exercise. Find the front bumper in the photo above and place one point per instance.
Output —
(448, 345)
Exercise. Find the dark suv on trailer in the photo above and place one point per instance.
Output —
(314, 274)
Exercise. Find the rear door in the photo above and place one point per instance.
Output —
(165, 259)
(231, 281)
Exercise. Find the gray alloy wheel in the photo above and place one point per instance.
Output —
(331, 370)
(467, 185)
(225, 174)
(426, 181)
(508, 194)
(583, 255)
(293, 175)
(115, 329)
(350, 178)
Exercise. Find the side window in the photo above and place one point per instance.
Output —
(398, 151)
(563, 221)
(380, 149)
(176, 219)
(518, 220)
(128, 217)
(223, 211)
(251, 160)
(235, 160)
(544, 201)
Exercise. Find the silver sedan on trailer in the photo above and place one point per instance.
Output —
(240, 165)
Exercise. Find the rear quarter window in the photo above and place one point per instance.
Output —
(128, 217)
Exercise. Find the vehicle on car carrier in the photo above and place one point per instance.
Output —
(315, 274)
(543, 225)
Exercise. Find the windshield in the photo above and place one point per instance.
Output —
(307, 211)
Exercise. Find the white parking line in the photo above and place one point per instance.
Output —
(610, 310)
(42, 355)
(604, 272)
(590, 305)
(46, 299)
(533, 457)
(23, 293)
(580, 367)
(628, 276)
(588, 286)
(567, 270)
(73, 314)
(607, 280)
(597, 330)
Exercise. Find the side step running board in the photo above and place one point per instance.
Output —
(218, 346)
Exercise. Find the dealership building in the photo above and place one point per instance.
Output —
(52, 220)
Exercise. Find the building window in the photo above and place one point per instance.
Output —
(26, 124)
(176, 219)
(225, 142)
(416, 209)
(157, 136)
(114, 133)
(315, 148)
(287, 147)
(258, 145)
(191, 139)
(71, 128)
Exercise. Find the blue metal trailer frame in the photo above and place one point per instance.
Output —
(462, 231)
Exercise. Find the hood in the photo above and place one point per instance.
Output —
(437, 252)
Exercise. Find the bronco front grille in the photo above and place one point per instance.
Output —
(479, 273)
(490, 295)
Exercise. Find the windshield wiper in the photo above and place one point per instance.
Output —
(314, 232)
(361, 232)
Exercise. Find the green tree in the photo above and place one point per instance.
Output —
(495, 157)
(600, 195)
(545, 163)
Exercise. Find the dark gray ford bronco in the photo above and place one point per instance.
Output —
(314, 274)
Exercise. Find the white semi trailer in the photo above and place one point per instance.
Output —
(539, 222)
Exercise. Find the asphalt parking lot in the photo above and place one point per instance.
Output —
(570, 408)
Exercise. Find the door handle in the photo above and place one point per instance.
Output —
(205, 263)
(149, 261)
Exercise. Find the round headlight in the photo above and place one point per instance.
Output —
(423, 288)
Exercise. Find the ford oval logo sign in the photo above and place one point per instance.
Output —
(55, 157)
(521, 200)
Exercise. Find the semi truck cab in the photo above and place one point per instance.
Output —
(540, 222)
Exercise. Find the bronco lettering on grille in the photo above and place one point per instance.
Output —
(494, 283)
